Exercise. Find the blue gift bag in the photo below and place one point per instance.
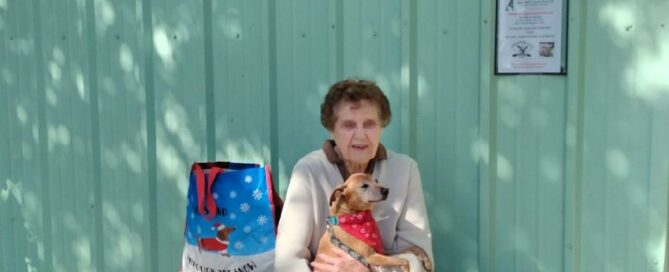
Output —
(231, 218)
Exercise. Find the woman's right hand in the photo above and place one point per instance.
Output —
(342, 262)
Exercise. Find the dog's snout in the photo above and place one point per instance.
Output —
(384, 192)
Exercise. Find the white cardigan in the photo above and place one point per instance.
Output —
(402, 217)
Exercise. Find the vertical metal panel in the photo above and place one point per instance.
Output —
(447, 127)
(122, 135)
(6, 85)
(529, 181)
(371, 50)
(66, 127)
(240, 73)
(8, 118)
(12, 196)
(623, 103)
(305, 56)
(180, 97)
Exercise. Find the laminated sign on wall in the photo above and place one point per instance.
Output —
(231, 218)
(530, 37)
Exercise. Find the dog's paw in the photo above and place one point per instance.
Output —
(422, 256)
(405, 266)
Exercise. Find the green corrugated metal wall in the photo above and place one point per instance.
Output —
(104, 104)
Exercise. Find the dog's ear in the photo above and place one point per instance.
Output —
(336, 195)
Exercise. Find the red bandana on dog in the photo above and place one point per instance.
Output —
(362, 226)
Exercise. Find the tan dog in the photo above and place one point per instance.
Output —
(351, 201)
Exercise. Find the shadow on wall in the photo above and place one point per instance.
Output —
(20, 242)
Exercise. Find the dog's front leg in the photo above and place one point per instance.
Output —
(376, 268)
(385, 261)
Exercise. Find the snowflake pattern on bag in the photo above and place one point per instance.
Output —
(244, 215)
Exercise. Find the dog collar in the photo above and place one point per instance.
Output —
(333, 221)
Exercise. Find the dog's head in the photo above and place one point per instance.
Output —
(358, 193)
(223, 233)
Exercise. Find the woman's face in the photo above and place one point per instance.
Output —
(357, 130)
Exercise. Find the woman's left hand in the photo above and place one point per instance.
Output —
(341, 262)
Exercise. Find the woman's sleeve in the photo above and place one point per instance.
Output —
(413, 228)
(296, 225)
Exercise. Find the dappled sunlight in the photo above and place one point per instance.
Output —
(551, 169)
(55, 72)
(21, 114)
(504, 169)
(244, 151)
(520, 239)
(132, 157)
(171, 166)
(620, 18)
(230, 23)
(618, 164)
(79, 82)
(126, 59)
(655, 246)
(424, 87)
(163, 47)
(106, 16)
(480, 151)
(4, 190)
(647, 77)
(518, 252)
(56, 64)
(108, 85)
(110, 159)
(137, 212)
(175, 157)
(512, 101)
(121, 241)
(58, 56)
(7, 76)
(82, 250)
(22, 46)
(175, 119)
(405, 75)
(57, 136)
(4, 193)
(638, 196)
(32, 206)
(14, 188)
(27, 150)
(26, 221)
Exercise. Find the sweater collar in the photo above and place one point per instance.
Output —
(333, 157)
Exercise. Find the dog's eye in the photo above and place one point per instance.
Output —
(364, 186)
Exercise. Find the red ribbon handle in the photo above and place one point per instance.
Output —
(204, 190)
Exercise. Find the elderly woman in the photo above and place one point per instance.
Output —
(355, 112)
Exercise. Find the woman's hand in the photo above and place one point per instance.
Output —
(341, 262)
